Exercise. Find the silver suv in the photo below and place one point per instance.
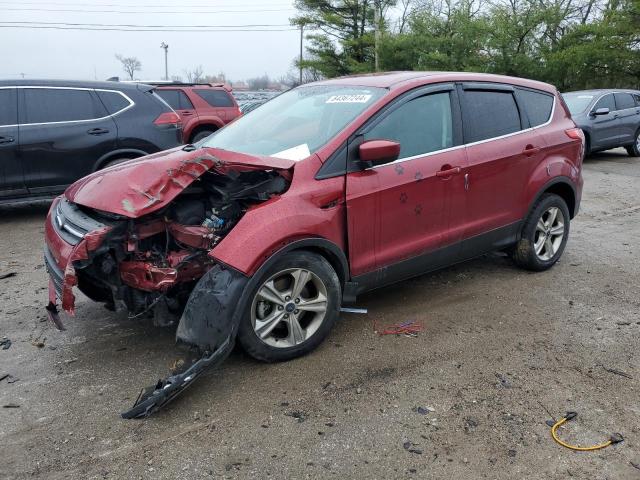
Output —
(609, 118)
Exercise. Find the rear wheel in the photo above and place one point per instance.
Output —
(292, 309)
(634, 149)
(117, 161)
(201, 135)
(544, 234)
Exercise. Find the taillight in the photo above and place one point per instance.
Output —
(575, 133)
(168, 118)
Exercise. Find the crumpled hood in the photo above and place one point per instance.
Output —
(141, 186)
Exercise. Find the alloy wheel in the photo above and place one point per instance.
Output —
(549, 233)
(289, 307)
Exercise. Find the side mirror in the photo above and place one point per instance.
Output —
(600, 111)
(379, 152)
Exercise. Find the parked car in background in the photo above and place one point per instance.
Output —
(608, 118)
(329, 190)
(249, 101)
(54, 132)
(203, 107)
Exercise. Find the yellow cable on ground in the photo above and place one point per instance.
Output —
(615, 438)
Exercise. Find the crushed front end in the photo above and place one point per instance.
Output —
(146, 255)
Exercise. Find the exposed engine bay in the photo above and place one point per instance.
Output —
(149, 266)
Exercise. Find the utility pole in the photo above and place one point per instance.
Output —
(166, 65)
(301, 40)
(376, 21)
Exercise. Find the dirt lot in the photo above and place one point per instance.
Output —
(501, 352)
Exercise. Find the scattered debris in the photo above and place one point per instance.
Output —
(71, 360)
(422, 410)
(613, 439)
(409, 446)
(38, 343)
(10, 378)
(298, 415)
(11, 405)
(504, 381)
(408, 329)
(635, 465)
(7, 275)
(618, 372)
(5, 343)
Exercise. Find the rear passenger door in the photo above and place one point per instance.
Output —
(500, 160)
(179, 101)
(628, 116)
(63, 133)
(11, 176)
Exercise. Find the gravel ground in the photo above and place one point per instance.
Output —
(502, 351)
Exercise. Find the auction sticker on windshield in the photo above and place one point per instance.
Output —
(348, 99)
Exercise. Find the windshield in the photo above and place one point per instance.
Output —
(577, 102)
(297, 123)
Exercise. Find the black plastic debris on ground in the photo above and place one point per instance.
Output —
(7, 275)
(5, 343)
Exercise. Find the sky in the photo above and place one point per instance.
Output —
(90, 54)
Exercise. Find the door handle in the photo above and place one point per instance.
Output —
(4, 140)
(97, 131)
(530, 150)
(448, 172)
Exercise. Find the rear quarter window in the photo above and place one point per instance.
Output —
(538, 106)
(624, 101)
(215, 98)
(489, 114)
(46, 105)
(113, 101)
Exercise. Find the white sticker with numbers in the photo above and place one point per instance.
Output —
(348, 99)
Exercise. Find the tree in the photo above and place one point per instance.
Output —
(195, 75)
(259, 83)
(130, 65)
(345, 43)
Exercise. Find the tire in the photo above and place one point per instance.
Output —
(200, 135)
(278, 342)
(543, 239)
(634, 149)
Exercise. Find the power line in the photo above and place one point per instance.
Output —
(146, 12)
(147, 30)
(146, 26)
(155, 5)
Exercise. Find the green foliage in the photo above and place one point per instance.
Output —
(572, 44)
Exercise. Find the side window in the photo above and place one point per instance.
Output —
(44, 105)
(215, 98)
(624, 101)
(538, 106)
(421, 125)
(605, 102)
(489, 114)
(636, 97)
(8, 106)
(113, 101)
(176, 99)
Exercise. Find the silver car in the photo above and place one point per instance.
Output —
(609, 118)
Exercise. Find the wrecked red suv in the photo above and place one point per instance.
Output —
(263, 230)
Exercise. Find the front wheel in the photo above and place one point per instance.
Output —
(292, 309)
(634, 149)
(544, 234)
(201, 135)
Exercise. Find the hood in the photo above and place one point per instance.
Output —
(144, 185)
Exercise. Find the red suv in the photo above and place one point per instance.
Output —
(203, 107)
(261, 232)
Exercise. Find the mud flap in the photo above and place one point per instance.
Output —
(209, 323)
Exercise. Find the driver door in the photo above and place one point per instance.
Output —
(400, 211)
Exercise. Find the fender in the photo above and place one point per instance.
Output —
(117, 153)
(558, 181)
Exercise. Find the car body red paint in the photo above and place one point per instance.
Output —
(377, 217)
(196, 112)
